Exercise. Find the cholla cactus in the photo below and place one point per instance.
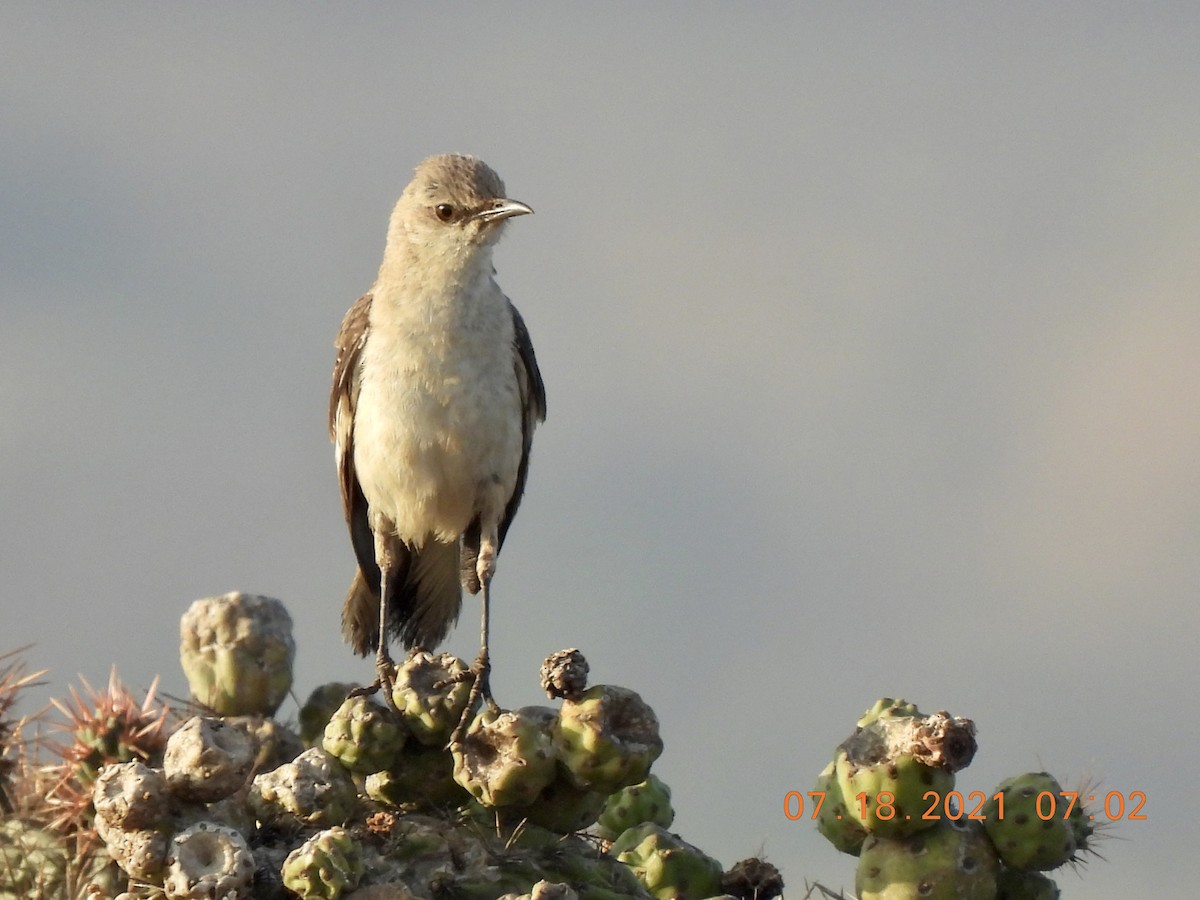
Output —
(104, 727)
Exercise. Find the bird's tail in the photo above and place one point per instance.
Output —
(424, 603)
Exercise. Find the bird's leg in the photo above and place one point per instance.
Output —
(481, 670)
(385, 668)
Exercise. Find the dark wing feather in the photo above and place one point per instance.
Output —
(360, 625)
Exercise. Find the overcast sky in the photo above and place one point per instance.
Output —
(871, 337)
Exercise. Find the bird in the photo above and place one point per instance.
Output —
(436, 394)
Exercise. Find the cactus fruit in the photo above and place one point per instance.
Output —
(141, 853)
(364, 736)
(208, 759)
(563, 807)
(834, 819)
(1014, 885)
(887, 708)
(319, 708)
(314, 789)
(208, 861)
(607, 738)
(647, 801)
(325, 866)
(419, 774)
(130, 795)
(237, 652)
(1026, 841)
(33, 862)
(888, 770)
(668, 866)
(507, 759)
(950, 861)
(431, 694)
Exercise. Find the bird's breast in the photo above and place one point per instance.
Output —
(437, 430)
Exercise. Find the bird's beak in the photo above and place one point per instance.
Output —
(503, 209)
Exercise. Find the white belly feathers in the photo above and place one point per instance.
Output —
(445, 441)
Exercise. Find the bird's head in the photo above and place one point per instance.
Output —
(455, 204)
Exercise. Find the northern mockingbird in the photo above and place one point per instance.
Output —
(435, 396)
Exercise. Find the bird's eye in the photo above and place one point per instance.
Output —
(444, 211)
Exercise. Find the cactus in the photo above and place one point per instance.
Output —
(319, 708)
(1026, 841)
(130, 796)
(237, 652)
(208, 759)
(668, 866)
(430, 693)
(607, 738)
(834, 819)
(33, 862)
(314, 789)
(108, 726)
(1014, 885)
(950, 861)
(752, 879)
(564, 807)
(364, 735)
(325, 866)
(888, 769)
(420, 774)
(507, 759)
(208, 861)
(647, 801)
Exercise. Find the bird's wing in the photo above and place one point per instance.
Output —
(533, 408)
(343, 398)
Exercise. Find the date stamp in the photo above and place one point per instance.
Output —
(1114, 806)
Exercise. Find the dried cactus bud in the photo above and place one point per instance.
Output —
(564, 674)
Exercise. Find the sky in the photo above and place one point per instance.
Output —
(870, 334)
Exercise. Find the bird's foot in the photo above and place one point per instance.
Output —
(385, 680)
(481, 689)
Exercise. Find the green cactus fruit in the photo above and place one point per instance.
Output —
(428, 695)
(647, 801)
(564, 807)
(33, 862)
(951, 861)
(364, 735)
(314, 789)
(507, 759)
(237, 652)
(208, 759)
(420, 774)
(1026, 823)
(1014, 885)
(887, 707)
(897, 767)
(208, 860)
(319, 708)
(325, 866)
(834, 819)
(668, 866)
(607, 738)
